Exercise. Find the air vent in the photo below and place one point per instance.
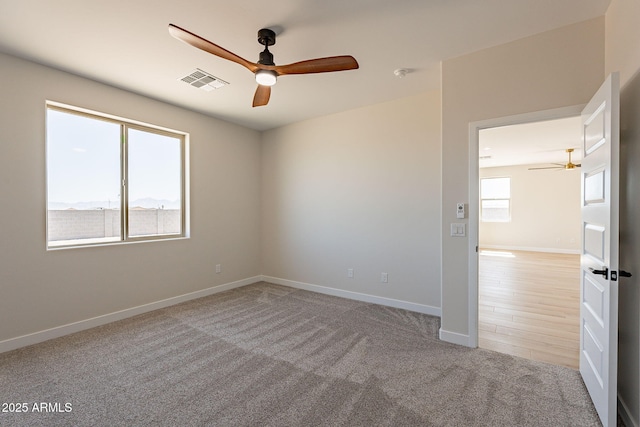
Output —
(203, 80)
(485, 157)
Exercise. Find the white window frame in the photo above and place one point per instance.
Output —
(483, 199)
(126, 124)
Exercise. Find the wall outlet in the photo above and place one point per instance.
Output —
(384, 278)
(350, 273)
(218, 268)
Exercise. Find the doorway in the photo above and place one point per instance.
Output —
(528, 231)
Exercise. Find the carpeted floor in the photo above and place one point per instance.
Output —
(268, 355)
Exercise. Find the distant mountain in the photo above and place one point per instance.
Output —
(150, 203)
(147, 203)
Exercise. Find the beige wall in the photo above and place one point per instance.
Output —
(555, 69)
(361, 190)
(623, 54)
(545, 211)
(622, 41)
(42, 289)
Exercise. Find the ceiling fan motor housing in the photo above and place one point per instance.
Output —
(266, 57)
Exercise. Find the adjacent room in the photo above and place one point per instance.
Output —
(529, 234)
(249, 213)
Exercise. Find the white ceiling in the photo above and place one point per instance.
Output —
(125, 43)
(539, 143)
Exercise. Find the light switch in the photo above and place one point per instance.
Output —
(458, 229)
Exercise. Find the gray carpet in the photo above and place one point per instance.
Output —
(267, 355)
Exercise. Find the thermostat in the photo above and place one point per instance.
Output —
(460, 210)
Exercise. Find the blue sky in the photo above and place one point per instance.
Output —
(83, 161)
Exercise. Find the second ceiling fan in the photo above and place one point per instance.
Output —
(567, 166)
(265, 70)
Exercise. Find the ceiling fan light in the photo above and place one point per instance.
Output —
(266, 77)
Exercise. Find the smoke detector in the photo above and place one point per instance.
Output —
(401, 72)
(202, 80)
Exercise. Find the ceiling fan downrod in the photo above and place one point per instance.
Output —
(570, 165)
(266, 37)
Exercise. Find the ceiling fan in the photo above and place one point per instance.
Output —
(566, 166)
(265, 70)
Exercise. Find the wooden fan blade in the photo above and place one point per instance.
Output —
(263, 93)
(319, 65)
(212, 48)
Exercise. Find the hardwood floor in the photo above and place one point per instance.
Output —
(529, 305)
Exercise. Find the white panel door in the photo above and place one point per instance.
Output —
(599, 259)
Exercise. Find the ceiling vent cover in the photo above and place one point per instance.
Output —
(203, 80)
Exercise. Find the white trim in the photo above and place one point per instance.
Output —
(625, 414)
(456, 338)
(112, 117)
(390, 302)
(59, 331)
(473, 233)
(474, 179)
(532, 249)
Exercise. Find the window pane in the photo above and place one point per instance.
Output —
(154, 183)
(87, 186)
(495, 188)
(495, 210)
(83, 179)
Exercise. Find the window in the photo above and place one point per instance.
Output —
(110, 180)
(495, 199)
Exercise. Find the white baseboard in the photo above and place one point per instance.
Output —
(59, 331)
(390, 302)
(531, 249)
(623, 411)
(455, 338)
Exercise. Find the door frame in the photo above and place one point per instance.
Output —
(474, 196)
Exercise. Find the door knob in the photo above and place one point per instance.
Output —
(604, 272)
(623, 273)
